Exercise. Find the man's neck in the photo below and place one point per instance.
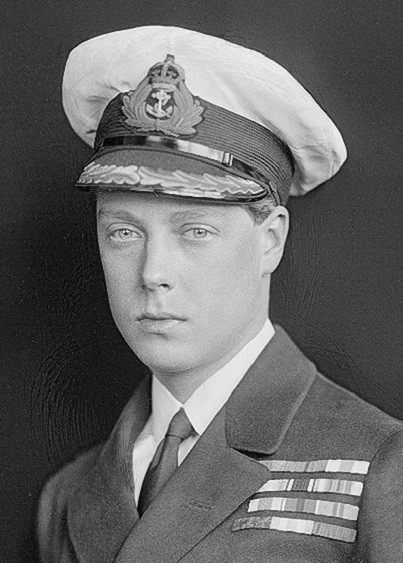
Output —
(182, 385)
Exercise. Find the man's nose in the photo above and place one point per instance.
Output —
(157, 272)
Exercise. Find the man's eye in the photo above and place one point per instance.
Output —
(197, 233)
(124, 234)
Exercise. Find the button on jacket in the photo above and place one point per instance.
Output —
(293, 468)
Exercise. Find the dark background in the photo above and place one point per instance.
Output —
(66, 372)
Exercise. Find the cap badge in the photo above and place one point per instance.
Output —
(162, 102)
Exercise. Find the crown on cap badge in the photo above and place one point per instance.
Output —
(162, 102)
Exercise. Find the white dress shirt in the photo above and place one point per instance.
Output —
(201, 407)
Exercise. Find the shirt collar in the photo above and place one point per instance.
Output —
(211, 395)
(164, 407)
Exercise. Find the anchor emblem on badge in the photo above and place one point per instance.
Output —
(157, 111)
(162, 102)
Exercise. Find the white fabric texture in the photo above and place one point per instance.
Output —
(237, 79)
(200, 408)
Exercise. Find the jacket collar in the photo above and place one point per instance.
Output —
(262, 407)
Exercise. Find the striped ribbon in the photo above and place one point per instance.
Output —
(338, 486)
(309, 527)
(321, 465)
(310, 506)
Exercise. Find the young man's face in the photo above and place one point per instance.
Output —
(187, 281)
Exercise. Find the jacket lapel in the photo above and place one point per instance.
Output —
(102, 511)
(217, 476)
(264, 404)
(208, 486)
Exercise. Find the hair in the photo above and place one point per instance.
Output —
(260, 210)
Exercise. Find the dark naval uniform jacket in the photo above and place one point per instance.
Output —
(292, 469)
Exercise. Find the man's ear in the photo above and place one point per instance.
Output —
(273, 235)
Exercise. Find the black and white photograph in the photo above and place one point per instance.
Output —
(201, 259)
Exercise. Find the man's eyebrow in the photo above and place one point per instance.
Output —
(194, 214)
(177, 216)
(120, 214)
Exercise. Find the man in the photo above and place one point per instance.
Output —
(235, 448)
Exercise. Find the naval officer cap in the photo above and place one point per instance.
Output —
(176, 112)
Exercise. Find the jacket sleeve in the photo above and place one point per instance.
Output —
(380, 525)
(49, 522)
(52, 530)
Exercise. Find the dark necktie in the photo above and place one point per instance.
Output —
(165, 460)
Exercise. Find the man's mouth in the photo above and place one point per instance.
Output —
(159, 317)
(159, 323)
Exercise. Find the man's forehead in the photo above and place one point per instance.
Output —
(134, 205)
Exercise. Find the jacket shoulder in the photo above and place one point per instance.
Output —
(346, 408)
(53, 501)
(333, 421)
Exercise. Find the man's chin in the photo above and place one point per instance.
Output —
(164, 356)
(167, 366)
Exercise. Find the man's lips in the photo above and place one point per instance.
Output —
(160, 323)
(160, 317)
